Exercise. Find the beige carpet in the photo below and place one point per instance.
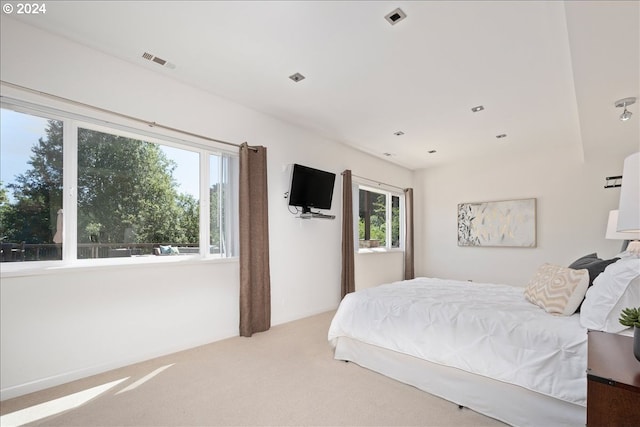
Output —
(286, 376)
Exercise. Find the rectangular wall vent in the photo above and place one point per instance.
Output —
(150, 57)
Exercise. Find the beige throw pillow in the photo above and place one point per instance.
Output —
(558, 290)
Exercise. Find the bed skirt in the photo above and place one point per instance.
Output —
(508, 403)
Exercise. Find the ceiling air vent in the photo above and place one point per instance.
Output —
(395, 16)
(150, 57)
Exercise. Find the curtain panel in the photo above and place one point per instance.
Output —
(255, 282)
(348, 252)
(409, 270)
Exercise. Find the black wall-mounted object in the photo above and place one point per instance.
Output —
(613, 181)
(311, 188)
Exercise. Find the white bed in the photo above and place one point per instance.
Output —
(482, 346)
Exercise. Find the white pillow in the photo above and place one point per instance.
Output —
(617, 287)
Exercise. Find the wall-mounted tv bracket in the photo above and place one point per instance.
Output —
(613, 181)
(309, 215)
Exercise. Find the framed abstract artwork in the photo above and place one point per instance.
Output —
(508, 223)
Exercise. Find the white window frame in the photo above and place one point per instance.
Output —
(388, 192)
(71, 123)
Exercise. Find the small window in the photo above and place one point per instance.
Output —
(395, 221)
(379, 219)
(223, 227)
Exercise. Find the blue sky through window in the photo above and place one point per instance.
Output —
(20, 132)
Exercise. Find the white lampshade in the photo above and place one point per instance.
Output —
(629, 208)
(613, 233)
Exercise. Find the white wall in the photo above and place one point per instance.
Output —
(375, 268)
(572, 212)
(69, 323)
(59, 326)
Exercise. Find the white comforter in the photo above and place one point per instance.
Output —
(486, 329)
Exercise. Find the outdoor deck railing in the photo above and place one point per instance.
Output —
(15, 252)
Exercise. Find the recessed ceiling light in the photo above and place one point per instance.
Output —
(296, 77)
(502, 135)
(395, 16)
(478, 108)
(398, 133)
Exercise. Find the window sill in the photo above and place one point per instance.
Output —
(36, 268)
(379, 250)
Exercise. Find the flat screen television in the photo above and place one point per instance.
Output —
(311, 188)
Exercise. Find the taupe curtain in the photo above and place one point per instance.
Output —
(409, 271)
(348, 271)
(255, 282)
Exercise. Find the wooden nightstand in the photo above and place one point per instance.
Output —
(613, 381)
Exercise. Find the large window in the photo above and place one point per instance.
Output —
(380, 219)
(30, 187)
(125, 194)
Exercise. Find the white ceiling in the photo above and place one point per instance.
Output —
(547, 73)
